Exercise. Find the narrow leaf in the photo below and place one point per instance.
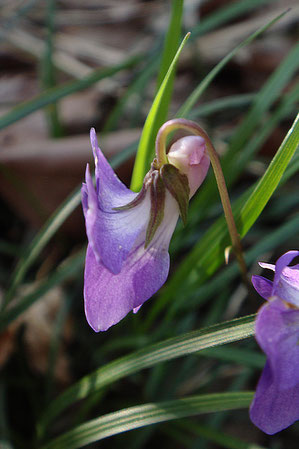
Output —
(171, 44)
(148, 414)
(267, 185)
(145, 151)
(166, 350)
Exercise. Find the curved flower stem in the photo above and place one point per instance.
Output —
(188, 125)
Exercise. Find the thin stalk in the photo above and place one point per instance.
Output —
(193, 127)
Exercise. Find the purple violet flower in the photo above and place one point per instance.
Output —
(127, 258)
(276, 402)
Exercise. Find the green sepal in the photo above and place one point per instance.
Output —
(157, 206)
(178, 185)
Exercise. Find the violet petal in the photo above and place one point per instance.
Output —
(272, 409)
(111, 233)
(286, 280)
(277, 332)
(263, 286)
(109, 297)
(110, 190)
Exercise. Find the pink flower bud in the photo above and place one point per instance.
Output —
(189, 155)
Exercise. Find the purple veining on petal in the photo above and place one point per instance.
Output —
(117, 232)
(277, 332)
(263, 286)
(111, 233)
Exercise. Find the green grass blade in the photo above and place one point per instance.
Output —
(170, 47)
(195, 95)
(172, 41)
(56, 93)
(207, 24)
(254, 205)
(213, 254)
(267, 185)
(148, 414)
(292, 168)
(50, 228)
(166, 350)
(145, 151)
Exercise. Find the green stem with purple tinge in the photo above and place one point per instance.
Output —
(195, 129)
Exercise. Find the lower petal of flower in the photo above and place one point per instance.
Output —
(273, 409)
(277, 332)
(110, 297)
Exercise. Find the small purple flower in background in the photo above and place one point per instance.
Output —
(127, 258)
(276, 402)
